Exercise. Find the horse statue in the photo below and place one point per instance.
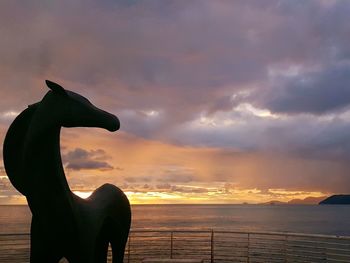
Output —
(63, 224)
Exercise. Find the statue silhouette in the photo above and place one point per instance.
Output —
(63, 225)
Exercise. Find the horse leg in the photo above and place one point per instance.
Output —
(118, 249)
(101, 251)
(101, 244)
(41, 251)
(118, 240)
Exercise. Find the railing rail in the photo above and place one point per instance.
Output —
(213, 246)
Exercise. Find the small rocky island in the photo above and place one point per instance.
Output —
(336, 200)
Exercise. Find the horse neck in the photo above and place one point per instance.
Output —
(42, 160)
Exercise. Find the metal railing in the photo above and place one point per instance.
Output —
(211, 246)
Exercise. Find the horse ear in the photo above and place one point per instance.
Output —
(56, 88)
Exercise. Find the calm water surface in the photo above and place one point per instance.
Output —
(331, 219)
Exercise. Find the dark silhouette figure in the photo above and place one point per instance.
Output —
(63, 225)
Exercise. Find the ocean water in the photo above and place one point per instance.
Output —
(315, 219)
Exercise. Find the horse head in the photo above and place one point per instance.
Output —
(59, 108)
(74, 110)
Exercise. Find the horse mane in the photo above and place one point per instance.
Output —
(13, 148)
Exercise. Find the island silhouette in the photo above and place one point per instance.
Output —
(336, 200)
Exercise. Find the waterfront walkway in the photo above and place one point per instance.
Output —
(211, 246)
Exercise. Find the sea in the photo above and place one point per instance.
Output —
(311, 219)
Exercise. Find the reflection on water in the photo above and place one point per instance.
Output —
(330, 219)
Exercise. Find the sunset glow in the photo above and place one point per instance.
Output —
(224, 102)
(214, 196)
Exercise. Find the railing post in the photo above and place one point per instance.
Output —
(171, 244)
(248, 245)
(129, 248)
(285, 249)
(212, 247)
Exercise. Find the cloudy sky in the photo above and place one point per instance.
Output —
(219, 101)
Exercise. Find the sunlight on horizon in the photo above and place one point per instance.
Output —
(242, 197)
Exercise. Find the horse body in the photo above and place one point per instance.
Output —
(63, 224)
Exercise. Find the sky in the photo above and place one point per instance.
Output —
(219, 101)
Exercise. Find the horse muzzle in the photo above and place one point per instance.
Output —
(114, 124)
(109, 121)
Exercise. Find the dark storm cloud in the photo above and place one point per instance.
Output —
(317, 92)
(79, 159)
(144, 54)
(323, 140)
(178, 56)
(326, 137)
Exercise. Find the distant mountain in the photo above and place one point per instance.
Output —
(307, 201)
(336, 200)
(273, 203)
